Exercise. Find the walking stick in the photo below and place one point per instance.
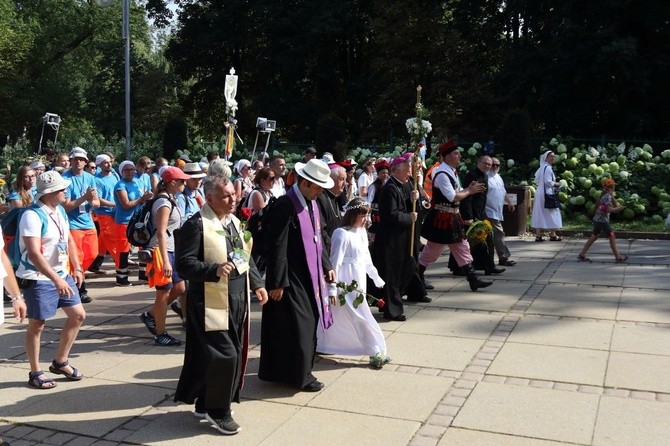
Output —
(416, 161)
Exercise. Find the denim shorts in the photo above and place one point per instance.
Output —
(175, 276)
(42, 298)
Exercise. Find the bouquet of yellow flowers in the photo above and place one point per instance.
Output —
(478, 231)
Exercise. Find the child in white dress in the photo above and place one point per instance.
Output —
(354, 331)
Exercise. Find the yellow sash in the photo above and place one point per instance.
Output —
(216, 293)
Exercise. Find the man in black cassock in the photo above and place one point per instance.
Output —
(329, 208)
(296, 275)
(218, 298)
(473, 208)
(390, 251)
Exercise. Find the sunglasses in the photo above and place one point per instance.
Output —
(495, 165)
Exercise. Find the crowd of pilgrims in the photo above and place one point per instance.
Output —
(360, 227)
(349, 215)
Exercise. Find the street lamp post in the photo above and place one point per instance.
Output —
(125, 34)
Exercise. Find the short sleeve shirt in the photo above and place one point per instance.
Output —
(105, 186)
(602, 216)
(80, 217)
(122, 215)
(57, 231)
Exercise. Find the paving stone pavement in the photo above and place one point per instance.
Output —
(555, 352)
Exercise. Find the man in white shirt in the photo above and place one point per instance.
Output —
(278, 166)
(49, 273)
(496, 198)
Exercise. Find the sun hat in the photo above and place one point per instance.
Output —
(102, 158)
(173, 173)
(37, 165)
(193, 170)
(315, 171)
(50, 181)
(78, 152)
(185, 158)
(347, 164)
(328, 158)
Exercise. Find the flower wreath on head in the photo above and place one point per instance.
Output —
(363, 205)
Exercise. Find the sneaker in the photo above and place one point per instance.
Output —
(226, 426)
(201, 412)
(166, 340)
(174, 306)
(149, 322)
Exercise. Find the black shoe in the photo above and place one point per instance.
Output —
(98, 271)
(314, 386)
(85, 298)
(506, 262)
(428, 285)
(174, 306)
(226, 425)
(423, 299)
(123, 282)
(399, 318)
(494, 270)
(459, 272)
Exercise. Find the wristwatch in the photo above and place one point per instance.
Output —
(16, 298)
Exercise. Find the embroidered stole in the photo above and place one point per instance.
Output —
(215, 251)
(312, 244)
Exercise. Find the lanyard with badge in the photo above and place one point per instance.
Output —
(63, 257)
(82, 191)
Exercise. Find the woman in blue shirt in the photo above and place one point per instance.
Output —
(128, 196)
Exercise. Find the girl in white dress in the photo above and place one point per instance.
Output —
(354, 331)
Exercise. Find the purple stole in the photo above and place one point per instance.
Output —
(311, 241)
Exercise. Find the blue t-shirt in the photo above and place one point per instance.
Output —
(122, 215)
(144, 181)
(79, 217)
(14, 195)
(187, 203)
(105, 185)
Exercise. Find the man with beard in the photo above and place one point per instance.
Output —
(473, 207)
(443, 224)
(391, 250)
(297, 271)
(329, 209)
(217, 320)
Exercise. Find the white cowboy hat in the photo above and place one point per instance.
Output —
(315, 171)
(50, 181)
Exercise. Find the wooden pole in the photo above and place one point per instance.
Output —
(416, 160)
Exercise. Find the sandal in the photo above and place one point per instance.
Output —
(582, 258)
(539, 239)
(57, 369)
(622, 259)
(35, 381)
(556, 238)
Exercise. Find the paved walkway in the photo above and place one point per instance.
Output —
(555, 352)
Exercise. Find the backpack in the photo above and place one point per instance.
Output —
(12, 239)
(140, 228)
